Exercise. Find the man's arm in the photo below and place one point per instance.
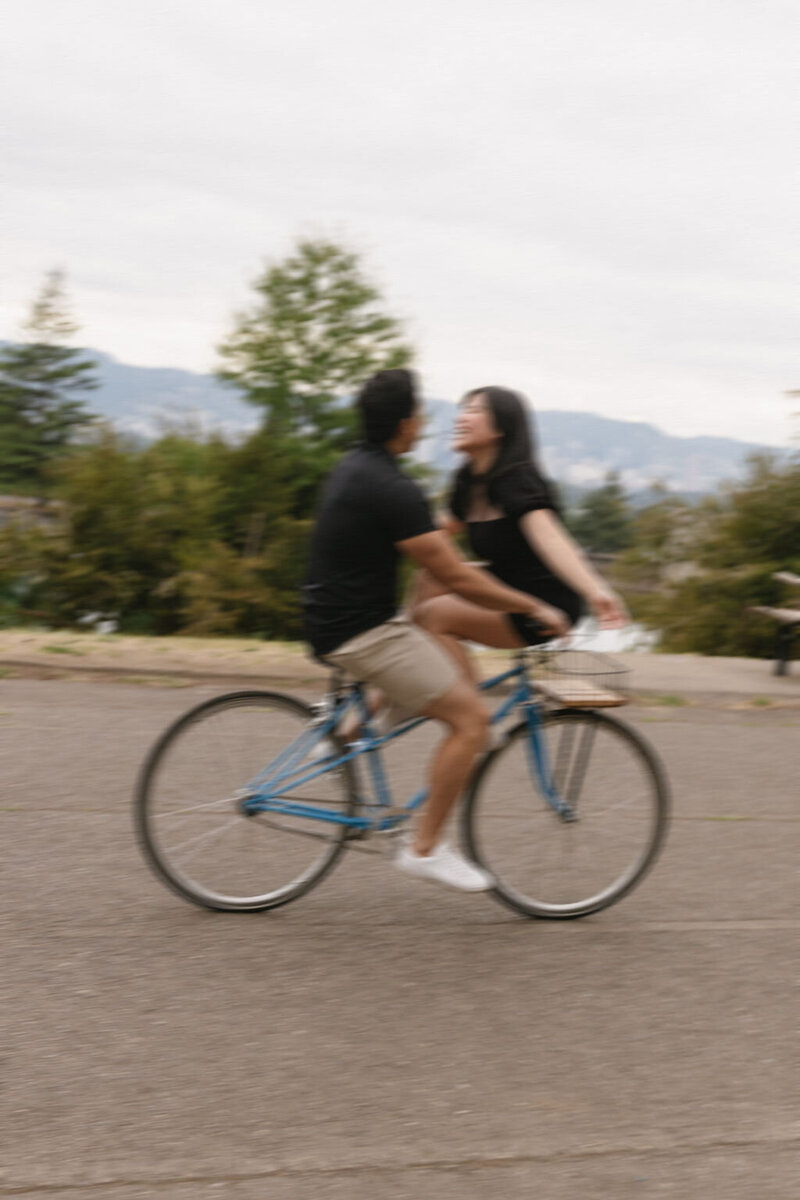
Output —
(437, 555)
(450, 524)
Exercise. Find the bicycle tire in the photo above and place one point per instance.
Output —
(525, 870)
(340, 786)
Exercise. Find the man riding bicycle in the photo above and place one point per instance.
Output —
(369, 514)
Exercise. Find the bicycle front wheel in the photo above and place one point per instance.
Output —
(547, 867)
(193, 827)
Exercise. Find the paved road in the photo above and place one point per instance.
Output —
(380, 1040)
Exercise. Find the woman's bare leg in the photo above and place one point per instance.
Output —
(450, 619)
(423, 587)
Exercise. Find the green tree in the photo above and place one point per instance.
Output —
(316, 331)
(196, 534)
(162, 538)
(740, 540)
(661, 535)
(131, 519)
(603, 522)
(42, 381)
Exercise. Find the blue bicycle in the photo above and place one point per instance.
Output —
(248, 800)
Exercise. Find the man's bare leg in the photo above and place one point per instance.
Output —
(457, 650)
(351, 727)
(471, 622)
(461, 709)
(423, 587)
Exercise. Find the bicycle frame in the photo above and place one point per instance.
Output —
(290, 769)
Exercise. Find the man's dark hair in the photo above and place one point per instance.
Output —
(386, 399)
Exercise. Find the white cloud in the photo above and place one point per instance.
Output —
(588, 201)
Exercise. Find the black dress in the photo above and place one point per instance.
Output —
(500, 543)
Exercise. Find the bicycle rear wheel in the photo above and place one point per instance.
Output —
(545, 866)
(193, 828)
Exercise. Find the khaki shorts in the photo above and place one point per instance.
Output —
(402, 660)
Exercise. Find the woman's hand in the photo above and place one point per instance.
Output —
(552, 620)
(608, 609)
(549, 539)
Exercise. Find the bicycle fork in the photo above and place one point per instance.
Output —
(541, 767)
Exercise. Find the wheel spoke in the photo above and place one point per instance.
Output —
(265, 824)
(246, 862)
(552, 868)
(194, 808)
(625, 802)
(175, 851)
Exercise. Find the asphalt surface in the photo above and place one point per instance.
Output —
(380, 1038)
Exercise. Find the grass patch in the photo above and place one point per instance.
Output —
(162, 681)
(761, 701)
(671, 701)
(56, 648)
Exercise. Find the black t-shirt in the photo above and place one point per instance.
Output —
(500, 542)
(367, 506)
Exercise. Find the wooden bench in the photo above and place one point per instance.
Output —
(788, 622)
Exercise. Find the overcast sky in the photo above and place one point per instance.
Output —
(593, 201)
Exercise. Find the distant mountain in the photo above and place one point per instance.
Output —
(576, 448)
(139, 399)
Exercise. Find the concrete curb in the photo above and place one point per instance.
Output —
(49, 670)
(666, 693)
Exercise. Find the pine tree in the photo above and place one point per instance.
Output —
(604, 520)
(41, 381)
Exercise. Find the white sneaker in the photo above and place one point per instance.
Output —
(496, 738)
(444, 865)
(323, 749)
(386, 719)
(382, 722)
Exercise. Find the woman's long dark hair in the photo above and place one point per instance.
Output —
(513, 421)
